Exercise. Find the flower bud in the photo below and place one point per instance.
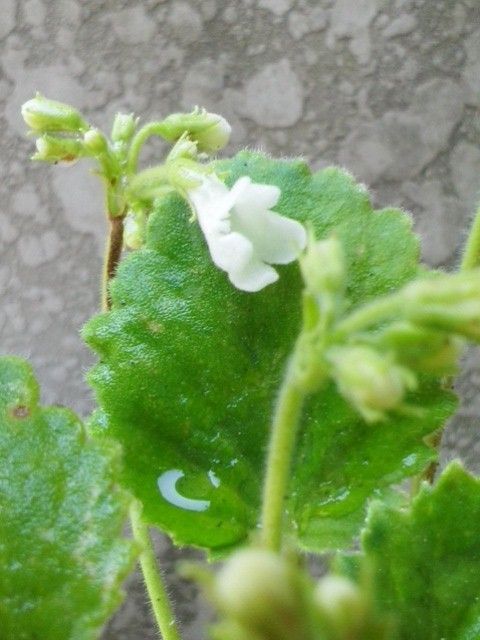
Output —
(448, 302)
(134, 230)
(51, 149)
(183, 148)
(209, 130)
(215, 137)
(341, 604)
(95, 142)
(124, 127)
(372, 382)
(43, 115)
(420, 348)
(323, 266)
(262, 592)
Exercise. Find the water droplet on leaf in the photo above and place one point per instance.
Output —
(167, 485)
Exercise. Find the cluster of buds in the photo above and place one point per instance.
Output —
(59, 128)
(64, 136)
(437, 313)
(376, 363)
(207, 132)
(262, 596)
(369, 378)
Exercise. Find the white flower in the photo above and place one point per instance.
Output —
(243, 235)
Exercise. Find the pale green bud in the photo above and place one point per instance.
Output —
(210, 131)
(184, 148)
(95, 142)
(372, 382)
(323, 266)
(420, 348)
(341, 604)
(347, 611)
(52, 149)
(124, 126)
(134, 230)
(215, 137)
(43, 116)
(262, 592)
(448, 302)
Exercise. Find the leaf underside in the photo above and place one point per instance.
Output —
(190, 367)
(62, 556)
(426, 560)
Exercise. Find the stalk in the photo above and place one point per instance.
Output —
(152, 577)
(286, 420)
(113, 253)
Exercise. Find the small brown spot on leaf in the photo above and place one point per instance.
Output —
(20, 411)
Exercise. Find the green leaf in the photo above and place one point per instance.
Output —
(190, 367)
(342, 461)
(62, 556)
(426, 560)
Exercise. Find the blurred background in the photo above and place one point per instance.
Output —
(388, 89)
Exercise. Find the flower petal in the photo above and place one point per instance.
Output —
(275, 238)
(246, 271)
(234, 254)
(254, 197)
(229, 251)
(211, 199)
(255, 276)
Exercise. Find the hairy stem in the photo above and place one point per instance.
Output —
(113, 252)
(471, 254)
(149, 130)
(368, 315)
(156, 590)
(282, 443)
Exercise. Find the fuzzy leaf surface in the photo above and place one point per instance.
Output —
(190, 368)
(62, 556)
(426, 560)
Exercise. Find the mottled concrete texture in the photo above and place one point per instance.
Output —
(390, 89)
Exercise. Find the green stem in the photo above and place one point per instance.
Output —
(113, 253)
(282, 443)
(151, 129)
(471, 254)
(368, 315)
(156, 590)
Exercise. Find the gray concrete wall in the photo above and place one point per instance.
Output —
(390, 89)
